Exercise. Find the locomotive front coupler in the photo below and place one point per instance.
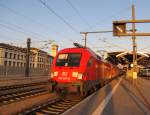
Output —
(61, 91)
(53, 84)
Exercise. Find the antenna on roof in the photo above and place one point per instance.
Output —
(78, 45)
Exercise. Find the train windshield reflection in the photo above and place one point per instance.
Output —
(69, 60)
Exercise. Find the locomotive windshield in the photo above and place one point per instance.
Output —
(69, 60)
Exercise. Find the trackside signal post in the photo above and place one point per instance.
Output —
(119, 29)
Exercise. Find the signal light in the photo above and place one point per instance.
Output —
(119, 28)
(131, 65)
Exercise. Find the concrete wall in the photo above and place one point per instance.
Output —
(20, 71)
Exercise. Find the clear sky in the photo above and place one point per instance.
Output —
(63, 20)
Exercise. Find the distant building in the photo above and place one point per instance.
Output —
(12, 56)
(40, 59)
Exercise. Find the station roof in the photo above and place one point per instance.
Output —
(127, 57)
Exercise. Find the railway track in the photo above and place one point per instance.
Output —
(54, 107)
(3, 88)
(147, 78)
(14, 93)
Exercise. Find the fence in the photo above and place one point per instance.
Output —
(20, 71)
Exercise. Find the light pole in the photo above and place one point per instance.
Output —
(27, 57)
(134, 44)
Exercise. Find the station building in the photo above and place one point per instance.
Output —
(13, 60)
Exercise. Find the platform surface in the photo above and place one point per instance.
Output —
(120, 97)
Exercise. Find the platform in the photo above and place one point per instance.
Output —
(119, 97)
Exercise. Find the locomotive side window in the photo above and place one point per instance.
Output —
(90, 62)
(69, 60)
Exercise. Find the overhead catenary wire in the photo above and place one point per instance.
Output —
(45, 27)
(24, 30)
(46, 42)
(78, 13)
(113, 44)
(109, 17)
(26, 17)
(67, 0)
(59, 16)
(16, 30)
(5, 37)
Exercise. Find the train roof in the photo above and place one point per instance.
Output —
(74, 49)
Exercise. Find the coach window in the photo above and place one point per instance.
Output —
(90, 62)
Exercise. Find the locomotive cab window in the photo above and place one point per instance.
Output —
(69, 60)
(61, 60)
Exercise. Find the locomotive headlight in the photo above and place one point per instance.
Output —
(55, 73)
(74, 74)
(80, 75)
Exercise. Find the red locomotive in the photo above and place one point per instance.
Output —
(80, 70)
